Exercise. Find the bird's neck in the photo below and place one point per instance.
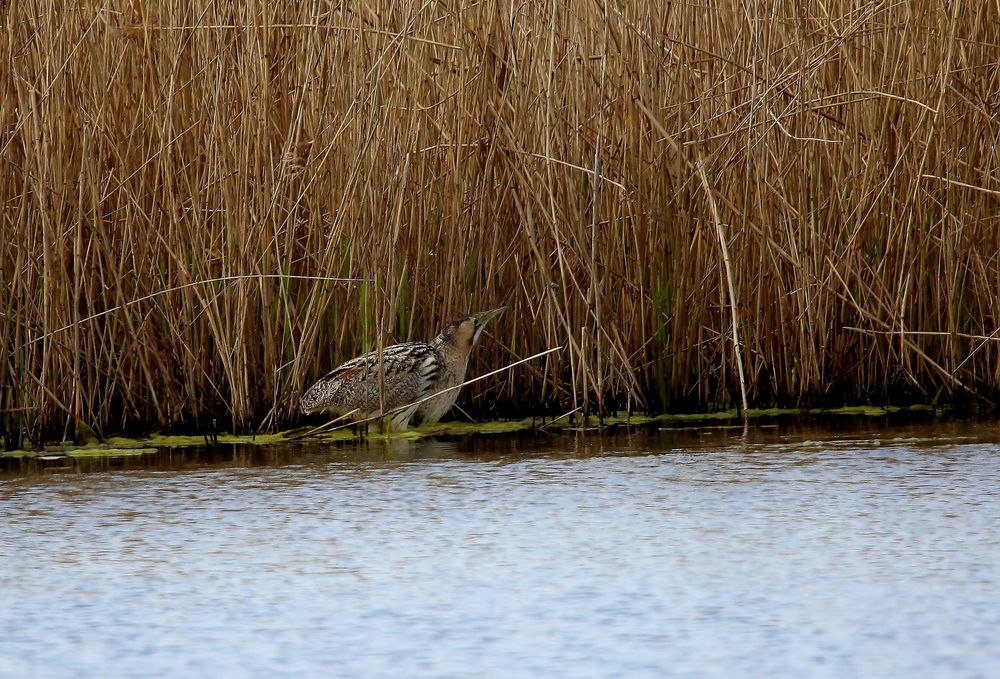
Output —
(456, 354)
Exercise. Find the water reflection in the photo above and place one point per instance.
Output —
(785, 550)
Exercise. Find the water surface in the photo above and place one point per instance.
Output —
(784, 550)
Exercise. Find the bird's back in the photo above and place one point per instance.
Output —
(409, 371)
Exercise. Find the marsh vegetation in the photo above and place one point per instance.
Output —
(776, 202)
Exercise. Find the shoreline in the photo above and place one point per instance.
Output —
(121, 446)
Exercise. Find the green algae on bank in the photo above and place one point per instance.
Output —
(264, 439)
(107, 452)
(120, 446)
(123, 449)
(467, 428)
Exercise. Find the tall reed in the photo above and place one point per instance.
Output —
(578, 162)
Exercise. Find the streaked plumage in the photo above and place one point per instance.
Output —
(412, 371)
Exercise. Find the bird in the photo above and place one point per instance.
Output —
(411, 371)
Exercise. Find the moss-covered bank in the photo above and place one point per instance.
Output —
(120, 446)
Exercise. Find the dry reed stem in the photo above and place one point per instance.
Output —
(730, 288)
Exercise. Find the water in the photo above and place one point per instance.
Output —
(794, 552)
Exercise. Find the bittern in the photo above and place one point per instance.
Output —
(411, 371)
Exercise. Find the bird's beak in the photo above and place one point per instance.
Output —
(487, 316)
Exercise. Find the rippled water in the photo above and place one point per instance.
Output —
(683, 553)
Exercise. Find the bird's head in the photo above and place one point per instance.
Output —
(464, 332)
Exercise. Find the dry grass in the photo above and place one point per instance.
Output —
(583, 164)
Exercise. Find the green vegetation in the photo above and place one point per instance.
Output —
(119, 446)
(597, 168)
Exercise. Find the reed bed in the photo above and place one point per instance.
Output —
(779, 201)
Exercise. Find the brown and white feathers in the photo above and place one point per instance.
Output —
(411, 371)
